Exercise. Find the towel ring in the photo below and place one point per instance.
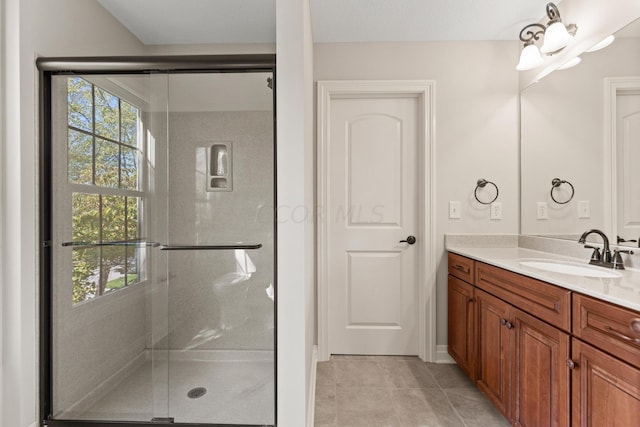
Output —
(481, 184)
(557, 182)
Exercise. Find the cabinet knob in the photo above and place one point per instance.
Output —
(571, 364)
(505, 322)
(509, 325)
(634, 324)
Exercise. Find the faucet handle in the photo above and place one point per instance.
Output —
(618, 262)
(595, 256)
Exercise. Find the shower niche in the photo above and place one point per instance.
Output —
(220, 168)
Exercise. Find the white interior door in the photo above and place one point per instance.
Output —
(372, 206)
(628, 152)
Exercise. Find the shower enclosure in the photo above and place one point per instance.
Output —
(158, 241)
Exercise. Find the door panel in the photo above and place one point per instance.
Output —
(461, 322)
(540, 375)
(373, 146)
(493, 364)
(628, 185)
(605, 391)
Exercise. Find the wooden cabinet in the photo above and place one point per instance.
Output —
(461, 267)
(461, 324)
(540, 377)
(543, 355)
(494, 337)
(606, 358)
(543, 300)
(605, 391)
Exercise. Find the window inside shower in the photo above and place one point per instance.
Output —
(103, 155)
(161, 189)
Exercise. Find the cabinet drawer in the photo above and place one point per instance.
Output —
(610, 327)
(543, 300)
(461, 267)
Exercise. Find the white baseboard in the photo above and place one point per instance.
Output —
(311, 403)
(442, 355)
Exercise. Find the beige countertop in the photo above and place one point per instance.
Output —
(623, 290)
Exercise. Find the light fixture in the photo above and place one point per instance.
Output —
(556, 38)
(570, 63)
(601, 45)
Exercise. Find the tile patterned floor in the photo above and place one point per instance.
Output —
(398, 391)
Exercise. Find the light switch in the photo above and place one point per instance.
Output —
(542, 210)
(584, 209)
(454, 209)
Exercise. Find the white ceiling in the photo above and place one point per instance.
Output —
(253, 21)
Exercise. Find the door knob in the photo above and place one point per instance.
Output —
(410, 240)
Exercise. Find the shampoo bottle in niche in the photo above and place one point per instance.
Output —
(221, 162)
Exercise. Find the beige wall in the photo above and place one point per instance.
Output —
(296, 293)
(476, 125)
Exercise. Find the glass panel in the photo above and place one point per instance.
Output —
(106, 330)
(107, 163)
(129, 168)
(150, 329)
(85, 221)
(107, 114)
(86, 274)
(80, 103)
(80, 157)
(112, 269)
(128, 124)
(229, 326)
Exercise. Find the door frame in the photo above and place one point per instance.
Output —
(613, 86)
(424, 91)
(47, 68)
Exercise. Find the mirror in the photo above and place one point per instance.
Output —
(580, 146)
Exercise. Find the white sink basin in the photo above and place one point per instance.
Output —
(570, 268)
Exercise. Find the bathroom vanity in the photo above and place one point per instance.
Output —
(547, 348)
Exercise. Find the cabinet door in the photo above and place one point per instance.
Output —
(605, 391)
(460, 324)
(494, 343)
(540, 376)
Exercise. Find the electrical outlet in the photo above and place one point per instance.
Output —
(454, 210)
(542, 210)
(584, 209)
(496, 210)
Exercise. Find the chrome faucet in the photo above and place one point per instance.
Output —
(606, 259)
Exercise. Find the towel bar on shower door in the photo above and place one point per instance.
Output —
(208, 247)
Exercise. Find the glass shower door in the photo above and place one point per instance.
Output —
(104, 298)
(219, 255)
(163, 248)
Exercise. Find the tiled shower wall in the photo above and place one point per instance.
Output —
(221, 299)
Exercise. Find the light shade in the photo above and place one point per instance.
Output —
(529, 58)
(555, 38)
(570, 63)
(601, 45)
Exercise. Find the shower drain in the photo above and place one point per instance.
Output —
(197, 392)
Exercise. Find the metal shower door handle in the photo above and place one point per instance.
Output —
(410, 240)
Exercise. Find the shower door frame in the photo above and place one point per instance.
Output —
(48, 67)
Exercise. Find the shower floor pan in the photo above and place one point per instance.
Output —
(238, 389)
